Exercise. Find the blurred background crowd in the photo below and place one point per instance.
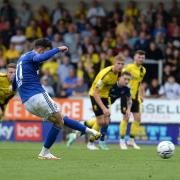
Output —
(94, 36)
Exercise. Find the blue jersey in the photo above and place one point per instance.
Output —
(26, 79)
(117, 92)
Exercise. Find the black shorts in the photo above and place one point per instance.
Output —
(135, 105)
(97, 110)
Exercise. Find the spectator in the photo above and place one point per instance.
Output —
(125, 27)
(81, 23)
(25, 13)
(159, 27)
(70, 82)
(57, 40)
(154, 52)
(128, 58)
(81, 88)
(142, 42)
(49, 33)
(81, 10)
(43, 18)
(172, 25)
(57, 13)
(7, 11)
(2, 61)
(95, 11)
(52, 66)
(12, 54)
(154, 90)
(47, 87)
(116, 11)
(104, 61)
(132, 9)
(174, 10)
(7, 33)
(33, 31)
(132, 40)
(148, 11)
(171, 89)
(60, 27)
(17, 24)
(64, 68)
(160, 41)
(19, 40)
(160, 13)
(71, 39)
(167, 72)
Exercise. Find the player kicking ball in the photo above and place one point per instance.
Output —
(118, 90)
(35, 98)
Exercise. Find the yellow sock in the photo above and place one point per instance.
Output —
(134, 129)
(90, 123)
(95, 127)
(123, 128)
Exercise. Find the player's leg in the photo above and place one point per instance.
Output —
(102, 142)
(74, 135)
(97, 125)
(123, 124)
(42, 106)
(101, 123)
(135, 125)
(90, 122)
(58, 119)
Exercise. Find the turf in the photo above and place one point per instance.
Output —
(18, 161)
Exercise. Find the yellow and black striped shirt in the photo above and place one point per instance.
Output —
(6, 92)
(137, 73)
(104, 80)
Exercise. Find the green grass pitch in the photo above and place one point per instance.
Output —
(18, 161)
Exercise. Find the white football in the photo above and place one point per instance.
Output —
(165, 149)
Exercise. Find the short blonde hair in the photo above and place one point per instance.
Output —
(119, 57)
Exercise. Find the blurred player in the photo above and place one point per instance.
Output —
(137, 72)
(99, 95)
(119, 89)
(35, 98)
(6, 92)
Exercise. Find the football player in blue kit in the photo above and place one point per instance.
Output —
(35, 98)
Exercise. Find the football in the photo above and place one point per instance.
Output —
(165, 149)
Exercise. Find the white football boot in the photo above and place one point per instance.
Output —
(122, 144)
(131, 142)
(91, 146)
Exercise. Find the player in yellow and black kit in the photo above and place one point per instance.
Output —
(6, 92)
(137, 72)
(99, 95)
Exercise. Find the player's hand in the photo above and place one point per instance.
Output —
(128, 113)
(106, 112)
(142, 98)
(63, 48)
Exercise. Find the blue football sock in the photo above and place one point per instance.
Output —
(54, 131)
(103, 133)
(73, 124)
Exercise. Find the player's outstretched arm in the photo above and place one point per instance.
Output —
(48, 54)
